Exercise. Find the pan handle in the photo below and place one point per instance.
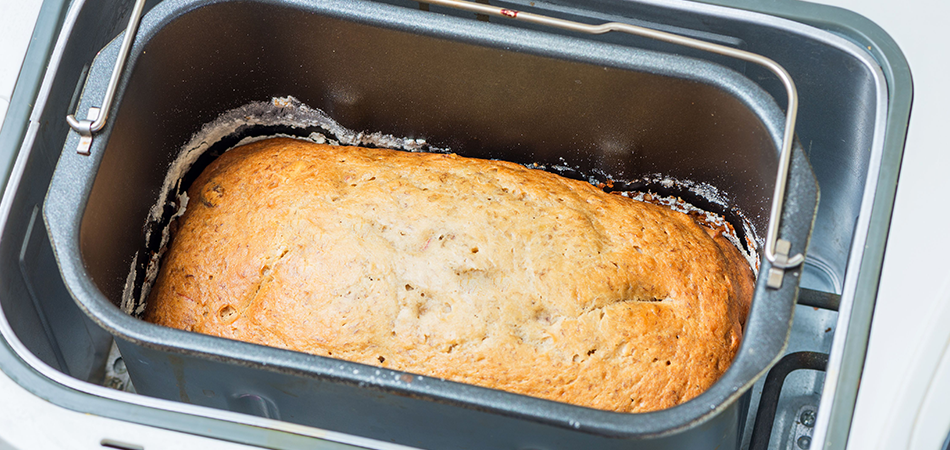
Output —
(96, 117)
(776, 249)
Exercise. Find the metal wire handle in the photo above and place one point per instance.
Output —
(776, 249)
(96, 117)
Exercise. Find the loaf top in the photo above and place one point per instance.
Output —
(477, 271)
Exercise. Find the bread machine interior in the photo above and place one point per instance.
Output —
(592, 108)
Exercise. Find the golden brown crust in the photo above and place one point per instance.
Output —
(477, 271)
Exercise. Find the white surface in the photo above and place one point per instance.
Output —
(919, 416)
(913, 268)
(34, 420)
(17, 18)
(930, 425)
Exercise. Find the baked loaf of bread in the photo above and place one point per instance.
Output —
(482, 272)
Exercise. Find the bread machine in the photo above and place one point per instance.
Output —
(247, 51)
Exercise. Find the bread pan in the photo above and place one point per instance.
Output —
(483, 89)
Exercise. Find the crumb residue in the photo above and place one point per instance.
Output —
(712, 220)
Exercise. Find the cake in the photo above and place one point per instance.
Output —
(476, 271)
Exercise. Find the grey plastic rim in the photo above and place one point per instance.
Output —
(771, 310)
